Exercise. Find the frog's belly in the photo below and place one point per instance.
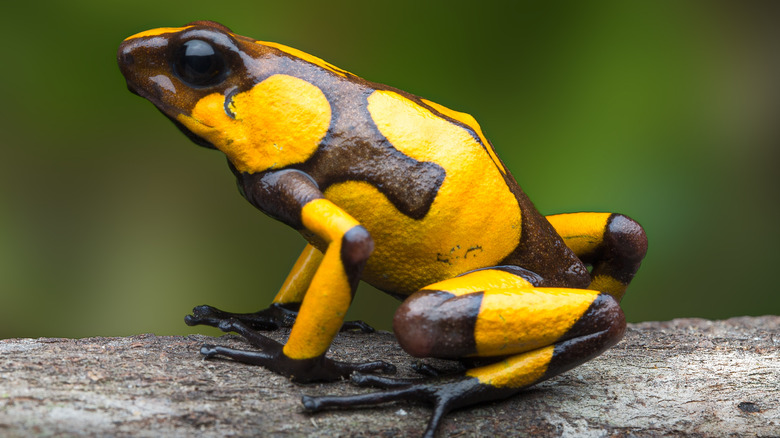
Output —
(467, 227)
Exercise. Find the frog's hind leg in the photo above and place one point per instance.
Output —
(612, 243)
(555, 328)
(529, 333)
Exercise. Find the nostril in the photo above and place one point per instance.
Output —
(127, 58)
(124, 55)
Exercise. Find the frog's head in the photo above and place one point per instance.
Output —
(177, 67)
(230, 92)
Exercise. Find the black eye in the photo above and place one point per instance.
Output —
(198, 63)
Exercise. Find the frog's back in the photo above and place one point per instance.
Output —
(465, 215)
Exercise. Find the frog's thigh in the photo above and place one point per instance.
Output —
(539, 331)
(600, 327)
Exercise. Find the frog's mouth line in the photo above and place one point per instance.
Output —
(154, 97)
(132, 89)
(156, 101)
(200, 141)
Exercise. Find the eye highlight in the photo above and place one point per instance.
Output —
(199, 64)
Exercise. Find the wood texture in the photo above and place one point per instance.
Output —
(686, 377)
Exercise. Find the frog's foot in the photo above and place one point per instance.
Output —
(444, 394)
(275, 316)
(357, 326)
(273, 358)
(428, 370)
(425, 369)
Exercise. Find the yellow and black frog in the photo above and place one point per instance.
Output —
(402, 193)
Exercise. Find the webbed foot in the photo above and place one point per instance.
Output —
(272, 357)
(275, 316)
(444, 394)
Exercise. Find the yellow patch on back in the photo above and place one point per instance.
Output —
(516, 371)
(452, 238)
(515, 321)
(470, 121)
(473, 222)
(306, 57)
(278, 122)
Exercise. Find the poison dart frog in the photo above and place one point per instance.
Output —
(402, 193)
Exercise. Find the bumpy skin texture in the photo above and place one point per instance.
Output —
(402, 193)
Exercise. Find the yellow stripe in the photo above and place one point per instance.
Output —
(155, 32)
(515, 321)
(323, 308)
(480, 281)
(329, 295)
(516, 371)
(306, 57)
(326, 220)
(471, 122)
(582, 232)
(607, 284)
(299, 278)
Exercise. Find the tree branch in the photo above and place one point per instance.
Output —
(683, 377)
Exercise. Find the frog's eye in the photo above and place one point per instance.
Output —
(199, 64)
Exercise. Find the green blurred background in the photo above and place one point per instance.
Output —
(113, 223)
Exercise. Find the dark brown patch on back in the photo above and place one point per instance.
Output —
(354, 149)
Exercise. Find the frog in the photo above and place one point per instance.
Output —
(399, 192)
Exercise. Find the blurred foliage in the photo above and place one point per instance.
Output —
(113, 223)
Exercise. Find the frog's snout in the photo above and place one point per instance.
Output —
(146, 76)
(125, 57)
(126, 60)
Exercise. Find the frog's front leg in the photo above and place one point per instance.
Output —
(284, 309)
(271, 318)
(529, 333)
(271, 355)
(324, 286)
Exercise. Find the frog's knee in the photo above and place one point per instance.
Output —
(626, 241)
(604, 318)
(600, 327)
(437, 324)
(356, 246)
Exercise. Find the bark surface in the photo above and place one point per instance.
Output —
(686, 377)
